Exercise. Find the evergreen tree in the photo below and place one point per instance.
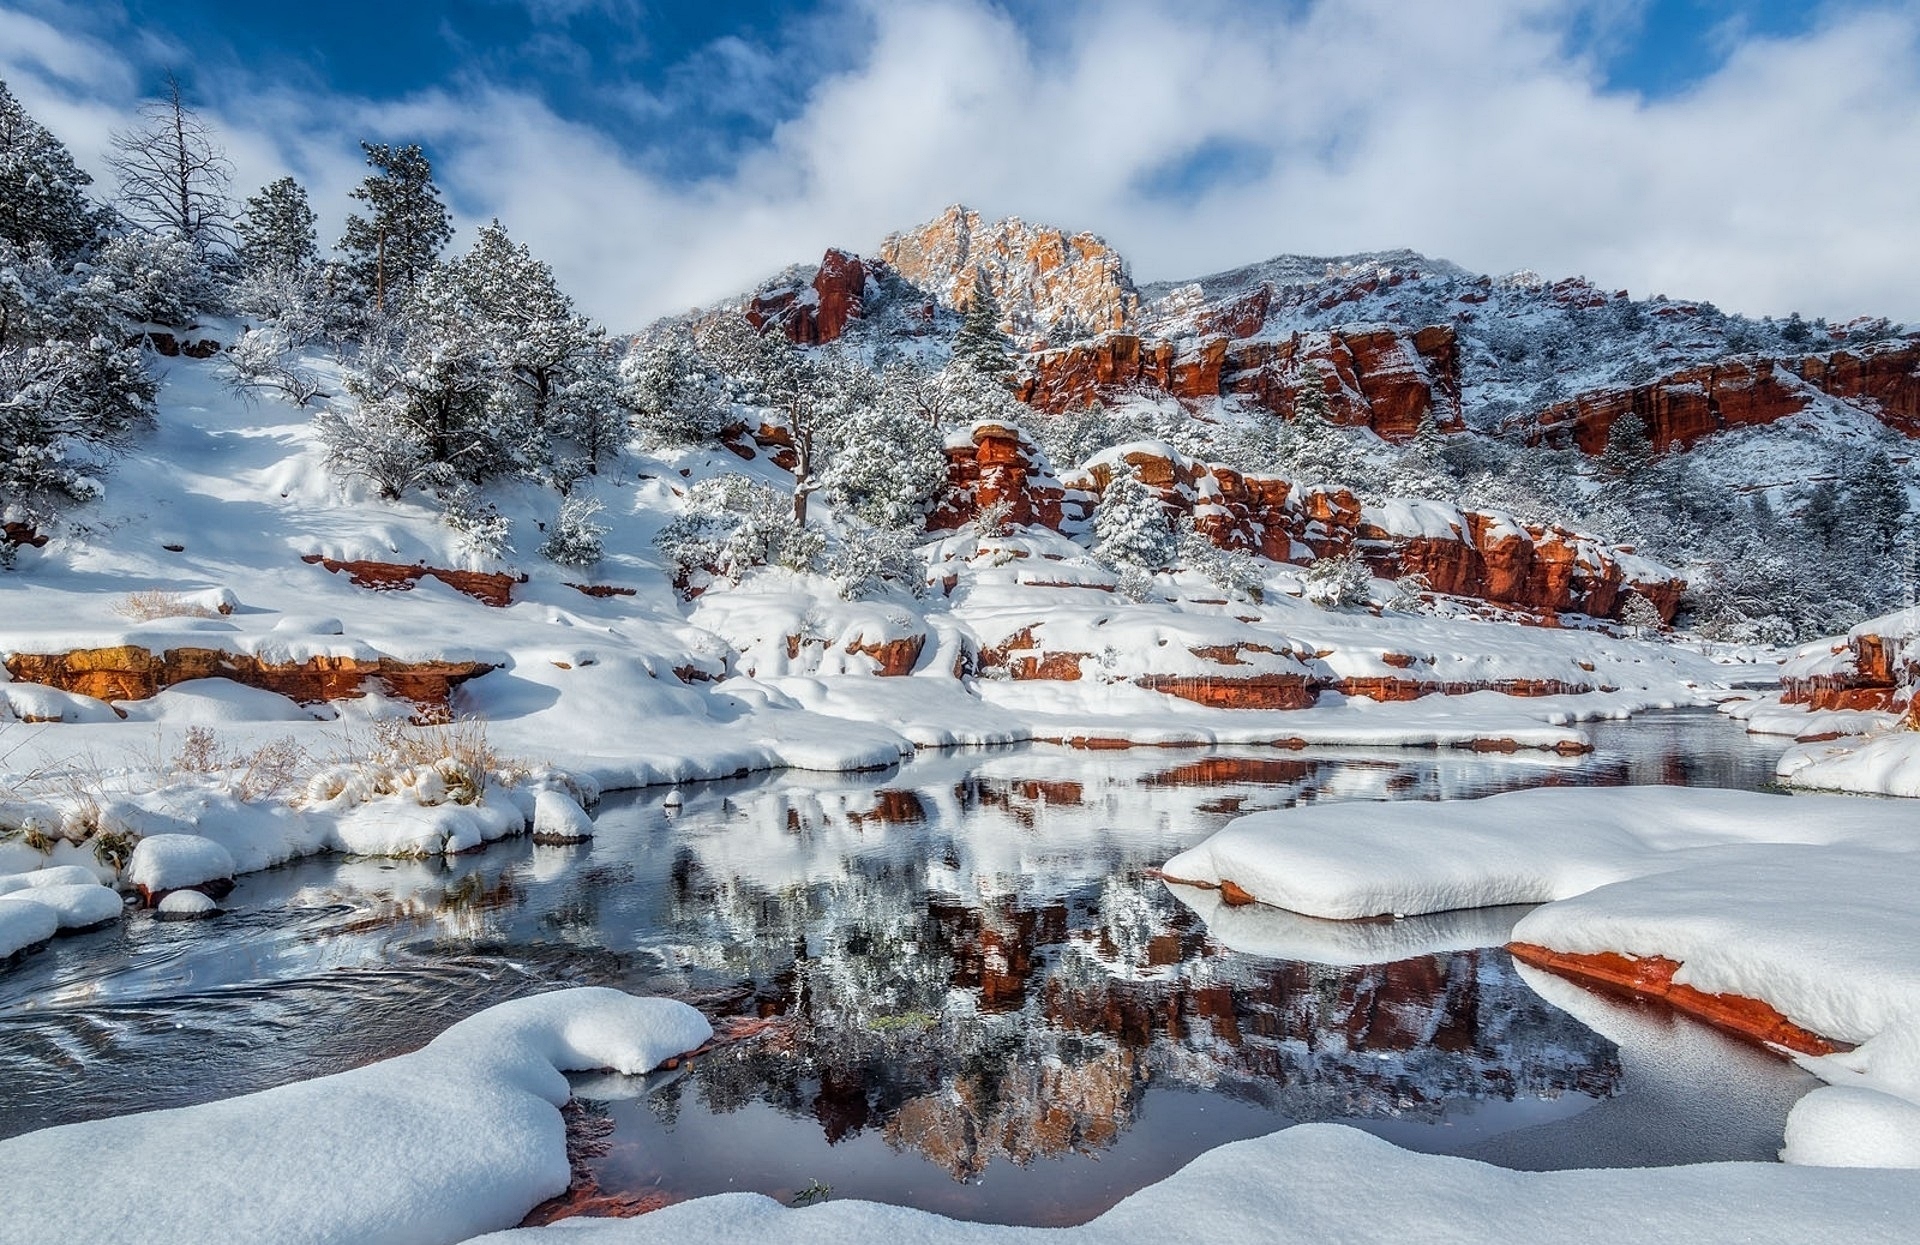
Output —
(555, 370)
(1876, 503)
(277, 231)
(980, 346)
(174, 179)
(887, 466)
(673, 394)
(43, 199)
(1130, 526)
(399, 240)
(1629, 448)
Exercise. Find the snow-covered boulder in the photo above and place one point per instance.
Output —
(77, 906)
(25, 925)
(186, 906)
(558, 818)
(171, 862)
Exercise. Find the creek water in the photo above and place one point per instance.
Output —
(980, 1002)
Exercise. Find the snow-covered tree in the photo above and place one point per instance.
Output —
(276, 232)
(43, 196)
(422, 386)
(1130, 525)
(554, 369)
(400, 238)
(175, 180)
(1235, 572)
(980, 346)
(69, 387)
(886, 466)
(732, 524)
(671, 389)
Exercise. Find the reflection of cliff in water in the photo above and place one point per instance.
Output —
(970, 1013)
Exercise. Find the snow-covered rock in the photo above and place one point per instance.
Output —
(170, 862)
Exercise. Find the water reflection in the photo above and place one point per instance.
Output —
(984, 1005)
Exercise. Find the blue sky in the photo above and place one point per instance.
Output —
(687, 87)
(666, 153)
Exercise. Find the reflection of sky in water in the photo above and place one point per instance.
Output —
(986, 1008)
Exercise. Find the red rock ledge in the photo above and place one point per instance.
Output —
(1651, 977)
(488, 587)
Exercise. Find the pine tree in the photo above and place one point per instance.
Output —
(668, 386)
(174, 179)
(43, 199)
(1629, 448)
(400, 239)
(1130, 525)
(980, 346)
(887, 466)
(555, 369)
(277, 232)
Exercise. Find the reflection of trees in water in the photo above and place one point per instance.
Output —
(974, 1021)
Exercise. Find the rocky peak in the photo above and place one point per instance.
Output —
(1043, 278)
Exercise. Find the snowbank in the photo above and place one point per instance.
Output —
(458, 1138)
(1324, 1182)
(1883, 765)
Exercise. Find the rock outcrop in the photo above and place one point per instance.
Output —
(493, 588)
(1375, 376)
(1041, 277)
(1871, 669)
(998, 466)
(133, 672)
(1651, 977)
(816, 314)
(1746, 391)
(1543, 571)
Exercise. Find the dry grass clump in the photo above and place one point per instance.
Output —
(434, 763)
(155, 603)
(267, 772)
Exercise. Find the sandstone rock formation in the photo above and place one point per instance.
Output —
(1375, 376)
(1041, 277)
(816, 314)
(1651, 977)
(1545, 571)
(1745, 391)
(1867, 670)
(488, 587)
(133, 672)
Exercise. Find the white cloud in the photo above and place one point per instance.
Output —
(1784, 180)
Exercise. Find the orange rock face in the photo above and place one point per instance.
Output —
(1681, 408)
(488, 587)
(837, 292)
(1651, 977)
(1870, 683)
(1038, 275)
(1377, 377)
(1001, 465)
(131, 672)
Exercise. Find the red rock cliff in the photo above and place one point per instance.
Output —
(1743, 392)
(1379, 376)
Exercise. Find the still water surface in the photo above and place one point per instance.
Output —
(981, 1004)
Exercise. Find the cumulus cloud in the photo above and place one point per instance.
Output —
(1195, 137)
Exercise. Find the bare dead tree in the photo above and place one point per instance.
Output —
(174, 178)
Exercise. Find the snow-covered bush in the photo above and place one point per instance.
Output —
(869, 560)
(364, 441)
(575, 538)
(1235, 572)
(264, 359)
(731, 525)
(1338, 583)
(158, 280)
(485, 533)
